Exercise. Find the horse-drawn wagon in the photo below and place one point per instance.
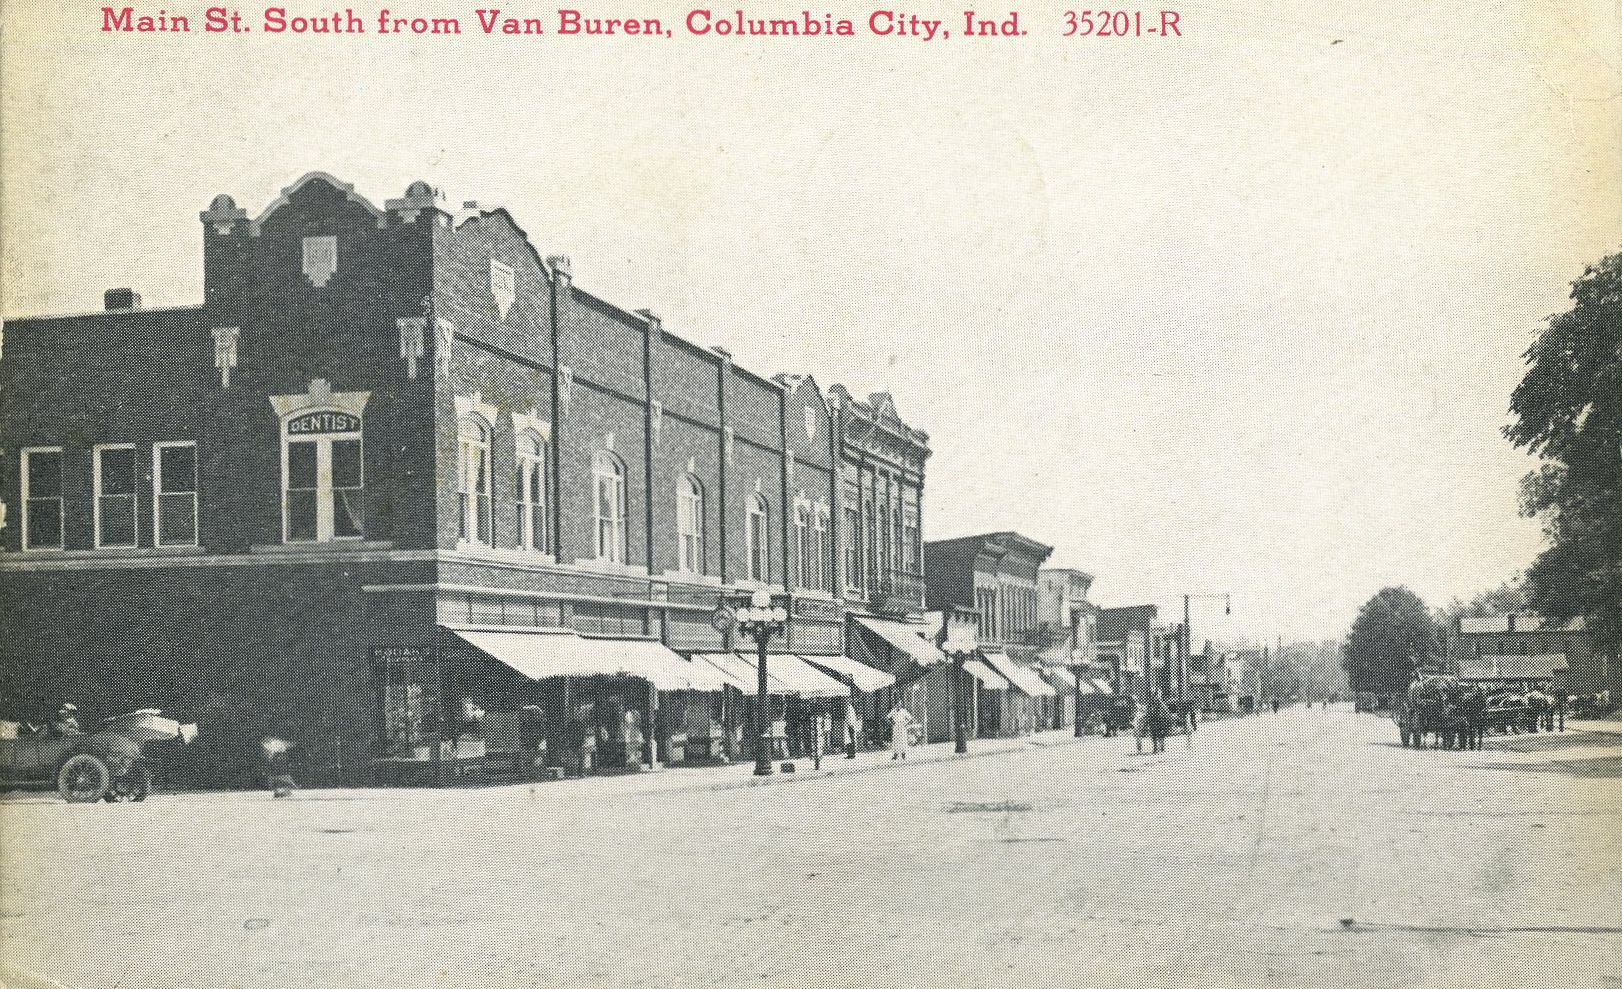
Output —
(108, 763)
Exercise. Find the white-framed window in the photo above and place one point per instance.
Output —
(473, 477)
(853, 547)
(41, 478)
(608, 477)
(113, 476)
(690, 524)
(825, 551)
(532, 492)
(174, 493)
(759, 539)
(322, 481)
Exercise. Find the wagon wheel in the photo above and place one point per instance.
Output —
(139, 782)
(83, 779)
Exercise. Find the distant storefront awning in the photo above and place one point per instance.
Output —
(1022, 677)
(862, 676)
(545, 655)
(1102, 686)
(1085, 686)
(905, 637)
(986, 675)
(1512, 667)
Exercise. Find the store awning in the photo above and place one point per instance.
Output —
(905, 637)
(1103, 686)
(1084, 686)
(1512, 667)
(804, 678)
(1060, 678)
(1023, 678)
(545, 655)
(986, 675)
(862, 676)
(739, 672)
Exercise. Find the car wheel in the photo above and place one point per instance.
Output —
(83, 779)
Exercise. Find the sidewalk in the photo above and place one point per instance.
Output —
(741, 774)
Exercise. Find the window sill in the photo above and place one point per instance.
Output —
(503, 554)
(103, 552)
(611, 567)
(690, 577)
(331, 546)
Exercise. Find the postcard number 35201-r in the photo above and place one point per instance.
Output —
(1122, 24)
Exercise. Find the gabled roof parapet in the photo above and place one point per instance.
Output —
(346, 188)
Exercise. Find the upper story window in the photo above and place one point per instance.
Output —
(532, 492)
(608, 476)
(825, 551)
(41, 477)
(853, 546)
(805, 550)
(758, 540)
(174, 493)
(322, 483)
(113, 474)
(473, 475)
(690, 524)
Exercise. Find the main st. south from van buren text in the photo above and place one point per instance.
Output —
(698, 22)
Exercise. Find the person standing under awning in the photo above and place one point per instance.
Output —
(900, 731)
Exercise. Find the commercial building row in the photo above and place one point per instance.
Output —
(401, 492)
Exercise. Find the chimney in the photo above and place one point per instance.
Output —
(121, 299)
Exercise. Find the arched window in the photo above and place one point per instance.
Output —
(690, 524)
(805, 550)
(609, 480)
(825, 552)
(473, 480)
(532, 489)
(759, 539)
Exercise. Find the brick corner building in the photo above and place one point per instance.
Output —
(399, 487)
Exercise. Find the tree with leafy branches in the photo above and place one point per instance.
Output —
(1393, 636)
(1568, 411)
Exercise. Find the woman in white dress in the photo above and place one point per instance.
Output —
(900, 732)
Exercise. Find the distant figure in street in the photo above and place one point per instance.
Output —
(1159, 718)
(900, 732)
(852, 728)
(278, 774)
(1275, 705)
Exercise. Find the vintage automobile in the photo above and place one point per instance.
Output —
(107, 763)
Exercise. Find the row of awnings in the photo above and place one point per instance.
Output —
(545, 654)
(541, 655)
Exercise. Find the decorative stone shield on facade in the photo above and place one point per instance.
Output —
(320, 259)
(503, 285)
(444, 344)
(226, 339)
(413, 334)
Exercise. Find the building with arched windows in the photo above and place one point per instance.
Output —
(397, 468)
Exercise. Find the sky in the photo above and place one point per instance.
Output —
(1237, 312)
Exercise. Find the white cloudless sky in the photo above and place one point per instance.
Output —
(1237, 312)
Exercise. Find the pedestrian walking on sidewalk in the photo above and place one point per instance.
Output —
(900, 732)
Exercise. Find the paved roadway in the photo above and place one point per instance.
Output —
(1304, 849)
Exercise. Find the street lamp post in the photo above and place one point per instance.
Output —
(1188, 636)
(760, 619)
(960, 731)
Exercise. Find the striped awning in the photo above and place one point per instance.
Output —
(1022, 677)
(861, 676)
(986, 675)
